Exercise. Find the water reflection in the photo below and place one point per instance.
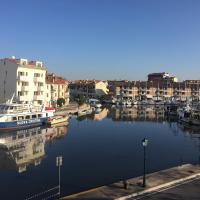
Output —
(19, 149)
(98, 115)
(139, 113)
(97, 151)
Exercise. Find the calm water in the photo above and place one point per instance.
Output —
(97, 150)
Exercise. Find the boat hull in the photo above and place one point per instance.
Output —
(23, 124)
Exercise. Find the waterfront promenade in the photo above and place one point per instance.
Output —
(156, 183)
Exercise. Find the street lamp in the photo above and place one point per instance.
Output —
(144, 144)
(59, 164)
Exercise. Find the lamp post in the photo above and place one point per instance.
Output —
(144, 144)
(59, 164)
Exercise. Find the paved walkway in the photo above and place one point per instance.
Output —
(189, 190)
(155, 182)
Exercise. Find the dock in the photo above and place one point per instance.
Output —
(133, 189)
(72, 108)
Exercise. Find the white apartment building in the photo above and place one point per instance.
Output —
(25, 79)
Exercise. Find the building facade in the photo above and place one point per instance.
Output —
(57, 88)
(26, 79)
(88, 88)
(142, 90)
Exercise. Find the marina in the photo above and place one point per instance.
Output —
(107, 146)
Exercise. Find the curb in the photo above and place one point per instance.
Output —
(163, 186)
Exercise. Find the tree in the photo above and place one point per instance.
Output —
(81, 100)
(60, 102)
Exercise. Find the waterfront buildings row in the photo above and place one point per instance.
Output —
(30, 82)
(159, 86)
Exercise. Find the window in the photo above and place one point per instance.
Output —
(26, 73)
(20, 93)
(36, 75)
(39, 115)
(20, 73)
(27, 117)
(14, 118)
(20, 136)
(20, 117)
(34, 116)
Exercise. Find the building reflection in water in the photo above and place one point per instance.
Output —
(56, 132)
(193, 132)
(19, 149)
(138, 113)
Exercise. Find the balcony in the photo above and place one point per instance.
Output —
(23, 78)
(38, 79)
(40, 88)
(22, 98)
(24, 88)
(38, 97)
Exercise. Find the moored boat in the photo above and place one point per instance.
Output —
(57, 119)
(16, 116)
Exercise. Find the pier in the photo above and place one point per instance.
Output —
(72, 108)
(155, 183)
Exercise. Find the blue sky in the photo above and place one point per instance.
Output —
(104, 39)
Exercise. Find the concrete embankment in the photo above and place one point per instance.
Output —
(132, 188)
(72, 108)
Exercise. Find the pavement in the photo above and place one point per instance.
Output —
(186, 191)
(157, 183)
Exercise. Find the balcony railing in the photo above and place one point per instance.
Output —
(38, 97)
(24, 88)
(22, 98)
(38, 79)
(40, 88)
(23, 78)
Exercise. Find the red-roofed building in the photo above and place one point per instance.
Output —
(58, 88)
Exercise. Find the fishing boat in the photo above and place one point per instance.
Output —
(16, 116)
(57, 119)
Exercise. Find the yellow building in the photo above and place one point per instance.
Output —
(58, 87)
(88, 88)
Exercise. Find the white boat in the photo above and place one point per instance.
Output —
(95, 103)
(128, 103)
(57, 119)
(15, 116)
(82, 112)
(135, 102)
(189, 115)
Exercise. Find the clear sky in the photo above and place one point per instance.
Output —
(104, 39)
